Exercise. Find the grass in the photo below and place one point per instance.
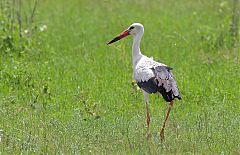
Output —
(72, 94)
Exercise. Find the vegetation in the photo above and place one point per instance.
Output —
(64, 91)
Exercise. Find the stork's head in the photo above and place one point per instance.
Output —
(133, 29)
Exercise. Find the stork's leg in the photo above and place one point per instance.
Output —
(147, 113)
(164, 124)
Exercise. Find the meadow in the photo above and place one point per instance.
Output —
(64, 91)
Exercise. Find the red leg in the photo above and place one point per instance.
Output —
(148, 134)
(164, 124)
(147, 115)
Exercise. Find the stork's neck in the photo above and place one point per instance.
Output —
(136, 53)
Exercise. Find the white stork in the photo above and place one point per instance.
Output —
(151, 76)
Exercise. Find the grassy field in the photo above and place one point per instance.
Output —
(70, 93)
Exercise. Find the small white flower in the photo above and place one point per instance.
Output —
(26, 31)
(43, 28)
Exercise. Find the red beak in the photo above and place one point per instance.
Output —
(120, 36)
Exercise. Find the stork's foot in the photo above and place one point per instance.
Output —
(148, 135)
(162, 135)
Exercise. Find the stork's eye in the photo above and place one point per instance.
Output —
(132, 27)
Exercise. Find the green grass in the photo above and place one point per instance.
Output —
(72, 94)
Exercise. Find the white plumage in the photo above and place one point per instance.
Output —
(142, 68)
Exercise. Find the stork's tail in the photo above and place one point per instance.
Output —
(168, 96)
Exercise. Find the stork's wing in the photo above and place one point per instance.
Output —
(163, 82)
